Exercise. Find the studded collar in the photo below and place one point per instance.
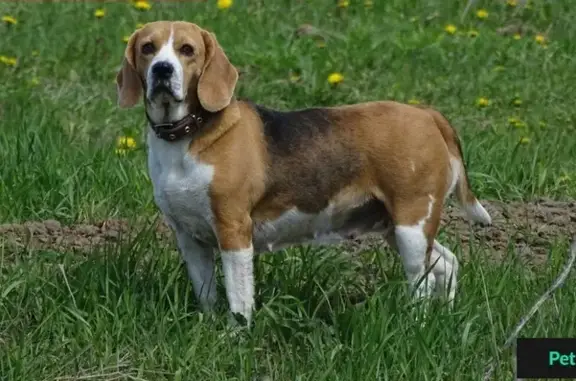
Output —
(172, 132)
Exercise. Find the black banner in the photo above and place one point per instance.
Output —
(546, 358)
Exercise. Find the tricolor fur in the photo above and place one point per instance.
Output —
(254, 179)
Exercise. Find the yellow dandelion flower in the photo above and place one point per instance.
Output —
(343, 3)
(294, 78)
(512, 3)
(125, 142)
(9, 20)
(126, 39)
(9, 61)
(142, 5)
(335, 78)
(34, 81)
(472, 33)
(368, 3)
(139, 25)
(224, 4)
(450, 29)
(413, 101)
(539, 38)
(482, 14)
(482, 102)
(517, 36)
(514, 121)
(517, 102)
(525, 140)
(99, 13)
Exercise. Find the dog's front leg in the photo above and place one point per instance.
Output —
(199, 260)
(235, 239)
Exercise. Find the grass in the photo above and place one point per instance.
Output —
(126, 312)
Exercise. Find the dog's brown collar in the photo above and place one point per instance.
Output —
(171, 132)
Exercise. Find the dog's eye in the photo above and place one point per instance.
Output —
(187, 50)
(148, 48)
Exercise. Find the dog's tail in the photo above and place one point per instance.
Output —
(474, 210)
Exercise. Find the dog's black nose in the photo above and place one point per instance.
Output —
(162, 70)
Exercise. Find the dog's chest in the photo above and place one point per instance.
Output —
(181, 187)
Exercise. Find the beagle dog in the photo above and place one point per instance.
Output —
(242, 178)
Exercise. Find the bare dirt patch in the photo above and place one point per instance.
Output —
(528, 227)
(52, 235)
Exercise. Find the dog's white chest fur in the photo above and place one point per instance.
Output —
(181, 187)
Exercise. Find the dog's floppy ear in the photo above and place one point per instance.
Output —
(218, 79)
(127, 80)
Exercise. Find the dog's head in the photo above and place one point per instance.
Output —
(175, 65)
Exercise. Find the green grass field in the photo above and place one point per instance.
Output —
(125, 311)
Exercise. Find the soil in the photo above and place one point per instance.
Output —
(531, 228)
(52, 235)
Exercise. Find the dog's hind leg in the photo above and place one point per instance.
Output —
(445, 270)
(415, 226)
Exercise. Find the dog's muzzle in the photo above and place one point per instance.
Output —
(162, 73)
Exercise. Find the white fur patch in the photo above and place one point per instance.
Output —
(292, 227)
(238, 268)
(168, 54)
(445, 269)
(181, 187)
(456, 169)
(159, 114)
(476, 212)
(412, 245)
